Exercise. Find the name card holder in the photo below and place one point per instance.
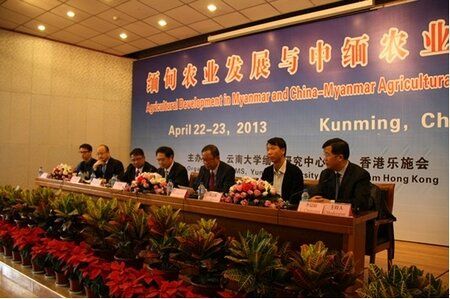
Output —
(96, 182)
(44, 175)
(310, 207)
(338, 209)
(119, 185)
(212, 196)
(178, 193)
(75, 179)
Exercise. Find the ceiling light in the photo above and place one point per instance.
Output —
(162, 23)
(70, 14)
(212, 7)
(41, 27)
(123, 35)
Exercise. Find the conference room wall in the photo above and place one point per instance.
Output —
(53, 97)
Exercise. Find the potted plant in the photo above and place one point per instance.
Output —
(39, 200)
(316, 272)
(39, 261)
(24, 239)
(163, 225)
(68, 208)
(58, 255)
(253, 261)
(81, 256)
(203, 247)
(10, 202)
(6, 240)
(94, 277)
(402, 282)
(98, 214)
(128, 233)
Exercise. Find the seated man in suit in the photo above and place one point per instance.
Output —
(285, 177)
(169, 169)
(214, 174)
(342, 180)
(85, 166)
(106, 166)
(137, 166)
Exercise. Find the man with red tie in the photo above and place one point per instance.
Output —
(214, 174)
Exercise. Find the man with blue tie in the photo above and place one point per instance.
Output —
(342, 180)
(215, 175)
(106, 166)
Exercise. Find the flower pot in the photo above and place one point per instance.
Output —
(16, 257)
(7, 252)
(90, 293)
(62, 279)
(169, 274)
(204, 289)
(49, 272)
(21, 222)
(36, 268)
(75, 286)
(136, 263)
(104, 253)
(26, 260)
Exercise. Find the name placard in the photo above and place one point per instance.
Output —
(310, 207)
(338, 209)
(119, 185)
(75, 179)
(179, 193)
(96, 182)
(44, 175)
(212, 196)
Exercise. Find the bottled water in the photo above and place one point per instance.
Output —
(40, 171)
(305, 195)
(113, 180)
(201, 191)
(92, 176)
(169, 187)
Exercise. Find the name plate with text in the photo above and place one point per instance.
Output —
(44, 175)
(96, 182)
(119, 185)
(213, 196)
(311, 207)
(338, 209)
(179, 193)
(75, 179)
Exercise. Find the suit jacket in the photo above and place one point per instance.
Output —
(355, 187)
(225, 177)
(292, 185)
(113, 167)
(178, 175)
(130, 173)
(86, 166)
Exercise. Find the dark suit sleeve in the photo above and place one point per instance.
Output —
(268, 174)
(118, 168)
(361, 191)
(227, 178)
(292, 184)
(180, 176)
(128, 176)
(200, 178)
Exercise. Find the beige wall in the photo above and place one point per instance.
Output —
(53, 97)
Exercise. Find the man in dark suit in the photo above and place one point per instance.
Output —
(214, 174)
(106, 166)
(169, 169)
(85, 166)
(285, 177)
(343, 181)
(137, 166)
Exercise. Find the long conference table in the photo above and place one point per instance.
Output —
(340, 233)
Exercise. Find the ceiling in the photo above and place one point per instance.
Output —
(97, 24)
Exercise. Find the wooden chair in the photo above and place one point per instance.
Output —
(380, 232)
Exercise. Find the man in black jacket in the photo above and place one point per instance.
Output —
(215, 175)
(169, 169)
(343, 181)
(106, 166)
(285, 177)
(137, 166)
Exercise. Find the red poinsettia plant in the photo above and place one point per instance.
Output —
(80, 256)
(6, 232)
(94, 276)
(59, 253)
(251, 192)
(25, 238)
(39, 252)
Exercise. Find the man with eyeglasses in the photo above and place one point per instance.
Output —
(215, 175)
(106, 166)
(85, 166)
(342, 181)
(137, 166)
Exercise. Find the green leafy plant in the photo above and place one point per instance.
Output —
(402, 282)
(68, 208)
(11, 202)
(253, 260)
(39, 199)
(203, 247)
(317, 272)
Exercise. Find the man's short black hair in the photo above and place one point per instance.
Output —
(167, 151)
(213, 149)
(137, 152)
(338, 147)
(86, 146)
(278, 141)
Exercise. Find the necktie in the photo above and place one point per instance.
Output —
(338, 185)
(137, 172)
(103, 169)
(212, 181)
(166, 173)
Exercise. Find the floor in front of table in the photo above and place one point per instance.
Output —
(430, 258)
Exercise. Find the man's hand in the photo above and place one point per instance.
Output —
(319, 198)
(97, 164)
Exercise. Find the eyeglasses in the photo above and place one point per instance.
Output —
(83, 152)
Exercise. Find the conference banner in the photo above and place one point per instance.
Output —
(377, 79)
